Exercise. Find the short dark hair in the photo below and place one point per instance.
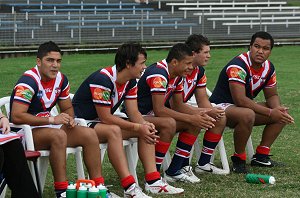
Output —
(179, 51)
(196, 42)
(263, 35)
(47, 47)
(128, 54)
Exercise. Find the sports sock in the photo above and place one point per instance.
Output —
(152, 177)
(210, 141)
(60, 187)
(161, 148)
(183, 148)
(126, 182)
(263, 150)
(242, 156)
(98, 181)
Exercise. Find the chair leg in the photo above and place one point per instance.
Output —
(250, 150)
(38, 182)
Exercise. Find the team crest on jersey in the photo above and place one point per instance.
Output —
(100, 94)
(159, 82)
(24, 92)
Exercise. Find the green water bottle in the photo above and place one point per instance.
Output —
(82, 192)
(102, 191)
(71, 191)
(260, 179)
(93, 192)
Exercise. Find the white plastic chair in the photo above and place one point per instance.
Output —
(130, 146)
(43, 161)
(221, 146)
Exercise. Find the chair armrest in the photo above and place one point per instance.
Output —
(26, 131)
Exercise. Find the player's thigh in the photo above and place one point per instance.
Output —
(236, 115)
(106, 132)
(80, 135)
(45, 137)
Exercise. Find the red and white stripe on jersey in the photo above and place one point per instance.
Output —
(24, 93)
(272, 82)
(49, 91)
(259, 77)
(190, 82)
(100, 94)
(119, 90)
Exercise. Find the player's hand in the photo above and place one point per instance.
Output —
(217, 113)
(203, 121)
(64, 118)
(4, 123)
(148, 134)
(281, 115)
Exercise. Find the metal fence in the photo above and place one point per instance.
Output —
(143, 23)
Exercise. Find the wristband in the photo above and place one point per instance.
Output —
(270, 111)
(136, 127)
(51, 120)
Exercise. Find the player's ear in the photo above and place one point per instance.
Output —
(38, 61)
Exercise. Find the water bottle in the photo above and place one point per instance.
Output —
(102, 191)
(93, 192)
(82, 192)
(71, 191)
(260, 179)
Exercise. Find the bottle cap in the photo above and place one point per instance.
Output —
(93, 189)
(82, 188)
(272, 180)
(71, 186)
(102, 187)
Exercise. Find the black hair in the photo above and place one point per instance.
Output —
(179, 51)
(263, 35)
(196, 42)
(128, 54)
(47, 47)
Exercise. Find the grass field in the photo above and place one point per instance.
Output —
(286, 59)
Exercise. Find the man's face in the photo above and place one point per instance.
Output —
(202, 57)
(184, 67)
(49, 65)
(139, 67)
(260, 51)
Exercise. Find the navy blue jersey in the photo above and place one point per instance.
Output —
(40, 96)
(156, 80)
(100, 88)
(239, 70)
(197, 79)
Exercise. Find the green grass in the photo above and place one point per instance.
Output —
(78, 66)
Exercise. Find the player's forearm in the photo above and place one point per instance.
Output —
(166, 112)
(273, 101)
(248, 103)
(115, 120)
(26, 118)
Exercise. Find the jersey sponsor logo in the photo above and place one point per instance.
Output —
(43, 114)
(100, 94)
(24, 92)
(159, 82)
(237, 73)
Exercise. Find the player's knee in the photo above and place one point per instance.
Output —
(90, 135)
(59, 139)
(168, 127)
(115, 132)
(221, 122)
(247, 117)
